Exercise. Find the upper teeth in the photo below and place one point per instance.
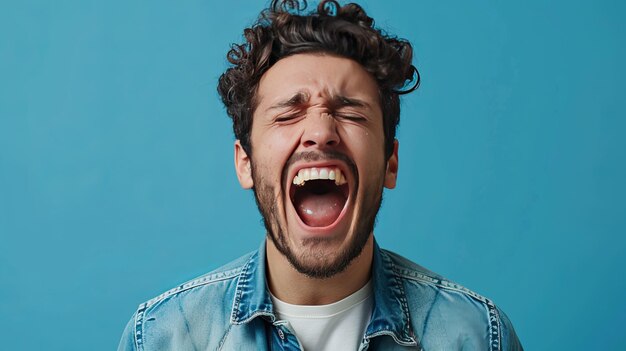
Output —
(314, 173)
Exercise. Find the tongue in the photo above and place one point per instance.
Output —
(320, 210)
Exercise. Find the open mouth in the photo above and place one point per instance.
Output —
(319, 195)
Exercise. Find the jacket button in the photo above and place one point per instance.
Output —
(281, 334)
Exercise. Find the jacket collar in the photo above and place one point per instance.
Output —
(252, 297)
(391, 311)
(390, 315)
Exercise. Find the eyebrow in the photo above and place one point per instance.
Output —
(336, 101)
(297, 99)
(343, 101)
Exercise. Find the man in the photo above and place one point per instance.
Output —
(314, 100)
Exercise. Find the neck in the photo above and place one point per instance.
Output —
(293, 287)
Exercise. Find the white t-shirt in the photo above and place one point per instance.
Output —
(337, 326)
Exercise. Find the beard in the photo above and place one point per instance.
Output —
(316, 261)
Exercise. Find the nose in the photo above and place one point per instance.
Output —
(320, 131)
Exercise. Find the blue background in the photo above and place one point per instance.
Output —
(116, 176)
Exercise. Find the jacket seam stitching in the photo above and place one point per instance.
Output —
(139, 331)
(494, 327)
(188, 286)
(136, 342)
(444, 284)
(223, 340)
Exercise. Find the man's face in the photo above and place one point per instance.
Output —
(317, 164)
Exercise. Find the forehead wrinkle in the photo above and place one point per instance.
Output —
(338, 99)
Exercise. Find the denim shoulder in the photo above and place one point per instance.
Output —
(180, 313)
(445, 313)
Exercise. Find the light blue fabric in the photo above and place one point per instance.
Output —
(231, 309)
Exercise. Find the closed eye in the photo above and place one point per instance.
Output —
(292, 117)
(355, 118)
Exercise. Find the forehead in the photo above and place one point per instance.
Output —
(318, 76)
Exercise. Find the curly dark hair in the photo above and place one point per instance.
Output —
(346, 31)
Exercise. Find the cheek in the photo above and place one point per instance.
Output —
(276, 137)
(272, 149)
(364, 141)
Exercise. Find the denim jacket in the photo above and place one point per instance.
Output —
(231, 309)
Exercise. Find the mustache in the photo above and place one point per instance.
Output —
(311, 156)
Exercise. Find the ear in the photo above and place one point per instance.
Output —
(243, 166)
(391, 174)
